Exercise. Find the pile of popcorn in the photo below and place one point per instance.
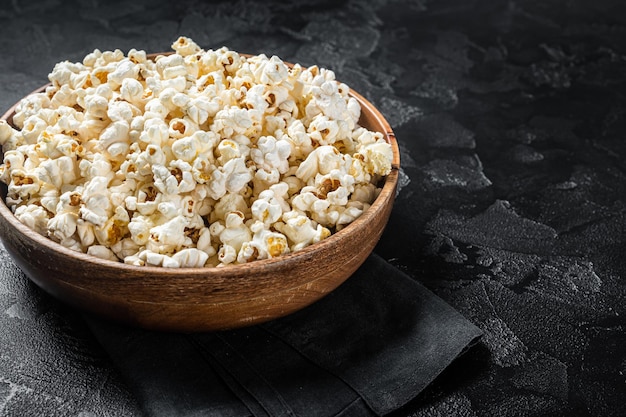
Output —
(198, 158)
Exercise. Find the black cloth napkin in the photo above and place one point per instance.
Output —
(367, 348)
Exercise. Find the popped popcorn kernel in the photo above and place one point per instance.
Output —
(195, 159)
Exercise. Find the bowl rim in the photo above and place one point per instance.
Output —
(387, 192)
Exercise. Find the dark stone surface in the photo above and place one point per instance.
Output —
(511, 118)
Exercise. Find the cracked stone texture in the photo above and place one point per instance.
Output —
(510, 116)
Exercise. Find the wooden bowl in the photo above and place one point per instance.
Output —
(203, 299)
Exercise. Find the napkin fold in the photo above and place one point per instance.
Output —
(366, 349)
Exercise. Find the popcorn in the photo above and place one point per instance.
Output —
(96, 205)
(265, 244)
(376, 157)
(270, 204)
(29, 106)
(227, 254)
(102, 252)
(237, 175)
(271, 158)
(175, 179)
(301, 230)
(96, 106)
(190, 258)
(200, 158)
(10, 138)
(132, 91)
(114, 133)
(126, 69)
(235, 232)
(34, 126)
(321, 160)
(62, 226)
(85, 231)
(185, 46)
(33, 216)
(169, 235)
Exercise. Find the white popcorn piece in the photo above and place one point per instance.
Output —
(118, 150)
(186, 149)
(13, 159)
(199, 109)
(125, 248)
(180, 100)
(153, 155)
(10, 138)
(147, 200)
(185, 46)
(138, 57)
(29, 106)
(377, 157)
(102, 252)
(69, 201)
(33, 216)
(179, 128)
(134, 260)
(364, 193)
(85, 231)
(301, 142)
(190, 258)
(321, 160)
(62, 226)
(230, 202)
(347, 215)
(122, 111)
(73, 244)
(97, 204)
(49, 198)
(132, 91)
(255, 98)
(236, 232)
(90, 128)
(176, 179)
(171, 234)
(204, 242)
(64, 96)
(169, 209)
(270, 204)
(155, 109)
(99, 166)
(272, 71)
(96, 106)
(301, 230)
(156, 132)
(34, 126)
(125, 69)
(91, 58)
(232, 120)
(156, 259)
(271, 158)
(119, 192)
(227, 254)
(269, 244)
(23, 184)
(139, 228)
(227, 150)
(323, 130)
(237, 175)
(116, 132)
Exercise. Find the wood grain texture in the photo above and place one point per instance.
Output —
(203, 299)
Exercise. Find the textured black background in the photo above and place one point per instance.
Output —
(511, 117)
